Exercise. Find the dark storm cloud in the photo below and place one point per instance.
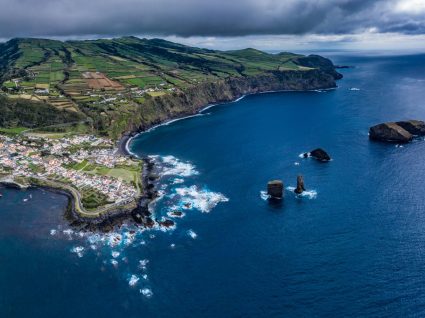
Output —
(203, 17)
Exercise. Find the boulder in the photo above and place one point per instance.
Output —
(167, 223)
(176, 213)
(300, 185)
(320, 155)
(415, 127)
(275, 189)
(149, 223)
(390, 132)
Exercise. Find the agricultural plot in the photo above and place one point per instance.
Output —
(97, 80)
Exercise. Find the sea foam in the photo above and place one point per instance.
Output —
(310, 194)
(132, 281)
(200, 199)
(171, 166)
(264, 195)
(78, 250)
(146, 292)
(192, 234)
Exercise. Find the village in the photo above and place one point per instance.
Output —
(88, 164)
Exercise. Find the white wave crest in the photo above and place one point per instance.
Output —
(68, 232)
(200, 199)
(174, 167)
(146, 292)
(192, 234)
(114, 262)
(354, 89)
(264, 195)
(310, 194)
(79, 250)
(178, 181)
(133, 280)
(143, 263)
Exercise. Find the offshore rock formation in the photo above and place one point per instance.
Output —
(401, 132)
(415, 127)
(300, 185)
(318, 154)
(275, 189)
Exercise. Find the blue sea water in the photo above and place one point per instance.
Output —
(354, 248)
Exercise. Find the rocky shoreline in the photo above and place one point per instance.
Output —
(173, 107)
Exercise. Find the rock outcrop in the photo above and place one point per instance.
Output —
(318, 154)
(275, 189)
(415, 127)
(300, 185)
(390, 132)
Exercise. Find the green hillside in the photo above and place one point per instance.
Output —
(110, 80)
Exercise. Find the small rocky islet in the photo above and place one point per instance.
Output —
(319, 154)
(397, 132)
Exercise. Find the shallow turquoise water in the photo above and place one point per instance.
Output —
(355, 249)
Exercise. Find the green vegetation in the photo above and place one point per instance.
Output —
(16, 113)
(36, 169)
(12, 131)
(92, 199)
(114, 82)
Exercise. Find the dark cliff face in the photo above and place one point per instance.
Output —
(163, 108)
(320, 62)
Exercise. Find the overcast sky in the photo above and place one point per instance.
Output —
(266, 24)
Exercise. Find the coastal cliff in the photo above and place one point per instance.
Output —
(157, 110)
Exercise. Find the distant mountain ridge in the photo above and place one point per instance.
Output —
(122, 84)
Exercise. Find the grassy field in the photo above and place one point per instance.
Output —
(127, 173)
(92, 199)
(12, 131)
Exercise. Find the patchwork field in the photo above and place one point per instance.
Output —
(97, 80)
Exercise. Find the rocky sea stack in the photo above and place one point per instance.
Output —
(318, 154)
(300, 185)
(275, 189)
(400, 132)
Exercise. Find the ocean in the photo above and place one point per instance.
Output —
(352, 246)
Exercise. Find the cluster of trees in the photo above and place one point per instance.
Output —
(25, 113)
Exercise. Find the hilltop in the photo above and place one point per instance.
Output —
(112, 86)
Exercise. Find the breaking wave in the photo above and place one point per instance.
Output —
(264, 195)
(194, 197)
(310, 194)
(115, 250)
(171, 166)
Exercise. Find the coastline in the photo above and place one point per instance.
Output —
(105, 218)
(109, 216)
(123, 143)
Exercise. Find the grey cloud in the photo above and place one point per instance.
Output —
(201, 18)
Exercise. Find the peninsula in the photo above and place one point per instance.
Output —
(65, 104)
